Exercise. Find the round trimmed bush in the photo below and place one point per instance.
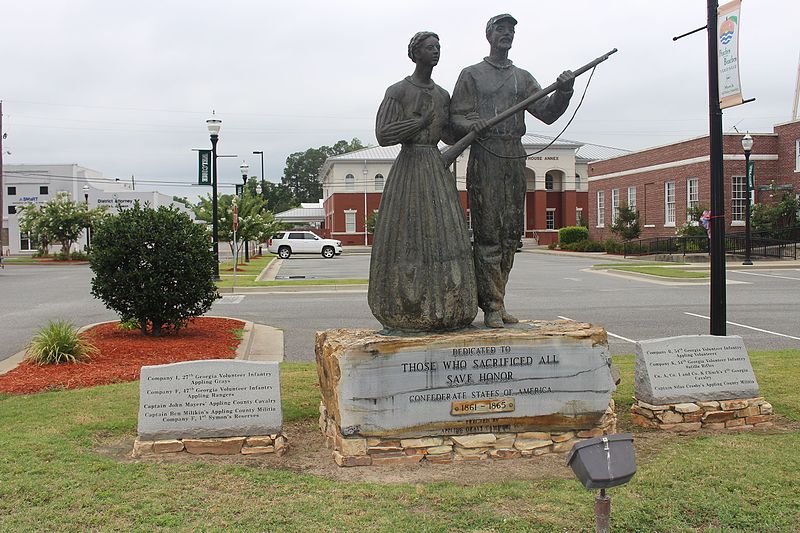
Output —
(154, 267)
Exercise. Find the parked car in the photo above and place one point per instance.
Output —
(286, 243)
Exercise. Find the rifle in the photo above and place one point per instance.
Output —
(455, 150)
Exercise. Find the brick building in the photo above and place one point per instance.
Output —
(662, 183)
(557, 188)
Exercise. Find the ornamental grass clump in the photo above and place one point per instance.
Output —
(56, 343)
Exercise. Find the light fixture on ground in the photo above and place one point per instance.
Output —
(86, 199)
(747, 146)
(244, 167)
(214, 125)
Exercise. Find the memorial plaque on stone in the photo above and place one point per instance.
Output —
(476, 381)
(693, 368)
(213, 398)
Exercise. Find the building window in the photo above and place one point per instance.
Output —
(614, 205)
(26, 244)
(548, 182)
(738, 198)
(692, 196)
(578, 215)
(350, 221)
(469, 220)
(669, 203)
(43, 189)
(550, 218)
(632, 198)
(379, 182)
(796, 156)
(601, 209)
(577, 182)
(12, 191)
(350, 182)
(12, 210)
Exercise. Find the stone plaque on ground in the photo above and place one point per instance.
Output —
(213, 398)
(693, 368)
(535, 376)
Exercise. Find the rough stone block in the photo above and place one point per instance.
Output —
(505, 440)
(563, 437)
(542, 451)
(643, 421)
(481, 440)
(714, 425)
(758, 419)
(259, 441)
(651, 406)
(709, 406)
(167, 446)
(438, 450)
(257, 450)
(416, 451)
(504, 454)
(439, 459)
(590, 433)
(563, 447)
(225, 446)
(736, 422)
(718, 416)
(684, 408)
(766, 408)
(531, 444)
(142, 447)
(470, 452)
(693, 417)
(534, 435)
(395, 459)
(425, 442)
(670, 417)
(355, 446)
(733, 405)
(641, 411)
(357, 460)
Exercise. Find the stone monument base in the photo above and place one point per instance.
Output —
(741, 413)
(532, 388)
(360, 451)
(253, 445)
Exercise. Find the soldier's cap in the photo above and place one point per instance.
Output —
(497, 18)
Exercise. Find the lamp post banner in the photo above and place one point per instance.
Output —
(728, 23)
(204, 167)
(751, 176)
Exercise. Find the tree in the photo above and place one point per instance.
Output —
(777, 218)
(372, 221)
(277, 197)
(626, 226)
(692, 227)
(154, 266)
(255, 222)
(301, 174)
(60, 220)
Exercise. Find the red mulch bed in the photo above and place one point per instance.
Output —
(123, 353)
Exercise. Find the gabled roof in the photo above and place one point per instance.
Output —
(301, 214)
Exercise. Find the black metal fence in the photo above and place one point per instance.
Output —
(760, 246)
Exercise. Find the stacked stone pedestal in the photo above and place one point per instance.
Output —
(471, 395)
(252, 445)
(741, 413)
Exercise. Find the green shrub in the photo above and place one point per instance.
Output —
(153, 266)
(626, 226)
(612, 246)
(570, 234)
(74, 256)
(552, 246)
(584, 245)
(58, 342)
(128, 325)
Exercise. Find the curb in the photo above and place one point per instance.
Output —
(270, 346)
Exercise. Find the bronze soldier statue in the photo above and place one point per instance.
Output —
(495, 172)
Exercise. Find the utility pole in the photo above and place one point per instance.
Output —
(796, 108)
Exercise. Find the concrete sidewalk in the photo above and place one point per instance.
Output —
(259, 343)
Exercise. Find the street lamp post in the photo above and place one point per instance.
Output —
(747, 145)
(366, 233)
(86, 199)
(261, 153)
(244, 167)
(214, 124)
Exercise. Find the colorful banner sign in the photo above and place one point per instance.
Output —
(751, 177)
(204, 167)
(728, 24)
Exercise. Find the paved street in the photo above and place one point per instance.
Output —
(763, 305)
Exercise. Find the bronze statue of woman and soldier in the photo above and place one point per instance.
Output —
(425, 275)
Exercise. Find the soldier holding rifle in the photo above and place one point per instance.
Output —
(495, 172)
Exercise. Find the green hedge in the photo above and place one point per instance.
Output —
(572, 234)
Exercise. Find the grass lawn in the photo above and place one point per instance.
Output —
(52, 477)
(247, 278)
(661, 271)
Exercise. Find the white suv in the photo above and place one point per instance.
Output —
(286, 243)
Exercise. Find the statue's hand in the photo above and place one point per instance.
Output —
(565, 81)
(477, 124)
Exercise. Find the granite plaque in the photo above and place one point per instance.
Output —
(213, 398)
(693, 368)
(503, 381)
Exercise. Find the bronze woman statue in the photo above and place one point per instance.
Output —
(422, 276)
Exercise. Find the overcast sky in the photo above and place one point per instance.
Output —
(125, 87)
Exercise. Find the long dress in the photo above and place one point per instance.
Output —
(422, 276)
